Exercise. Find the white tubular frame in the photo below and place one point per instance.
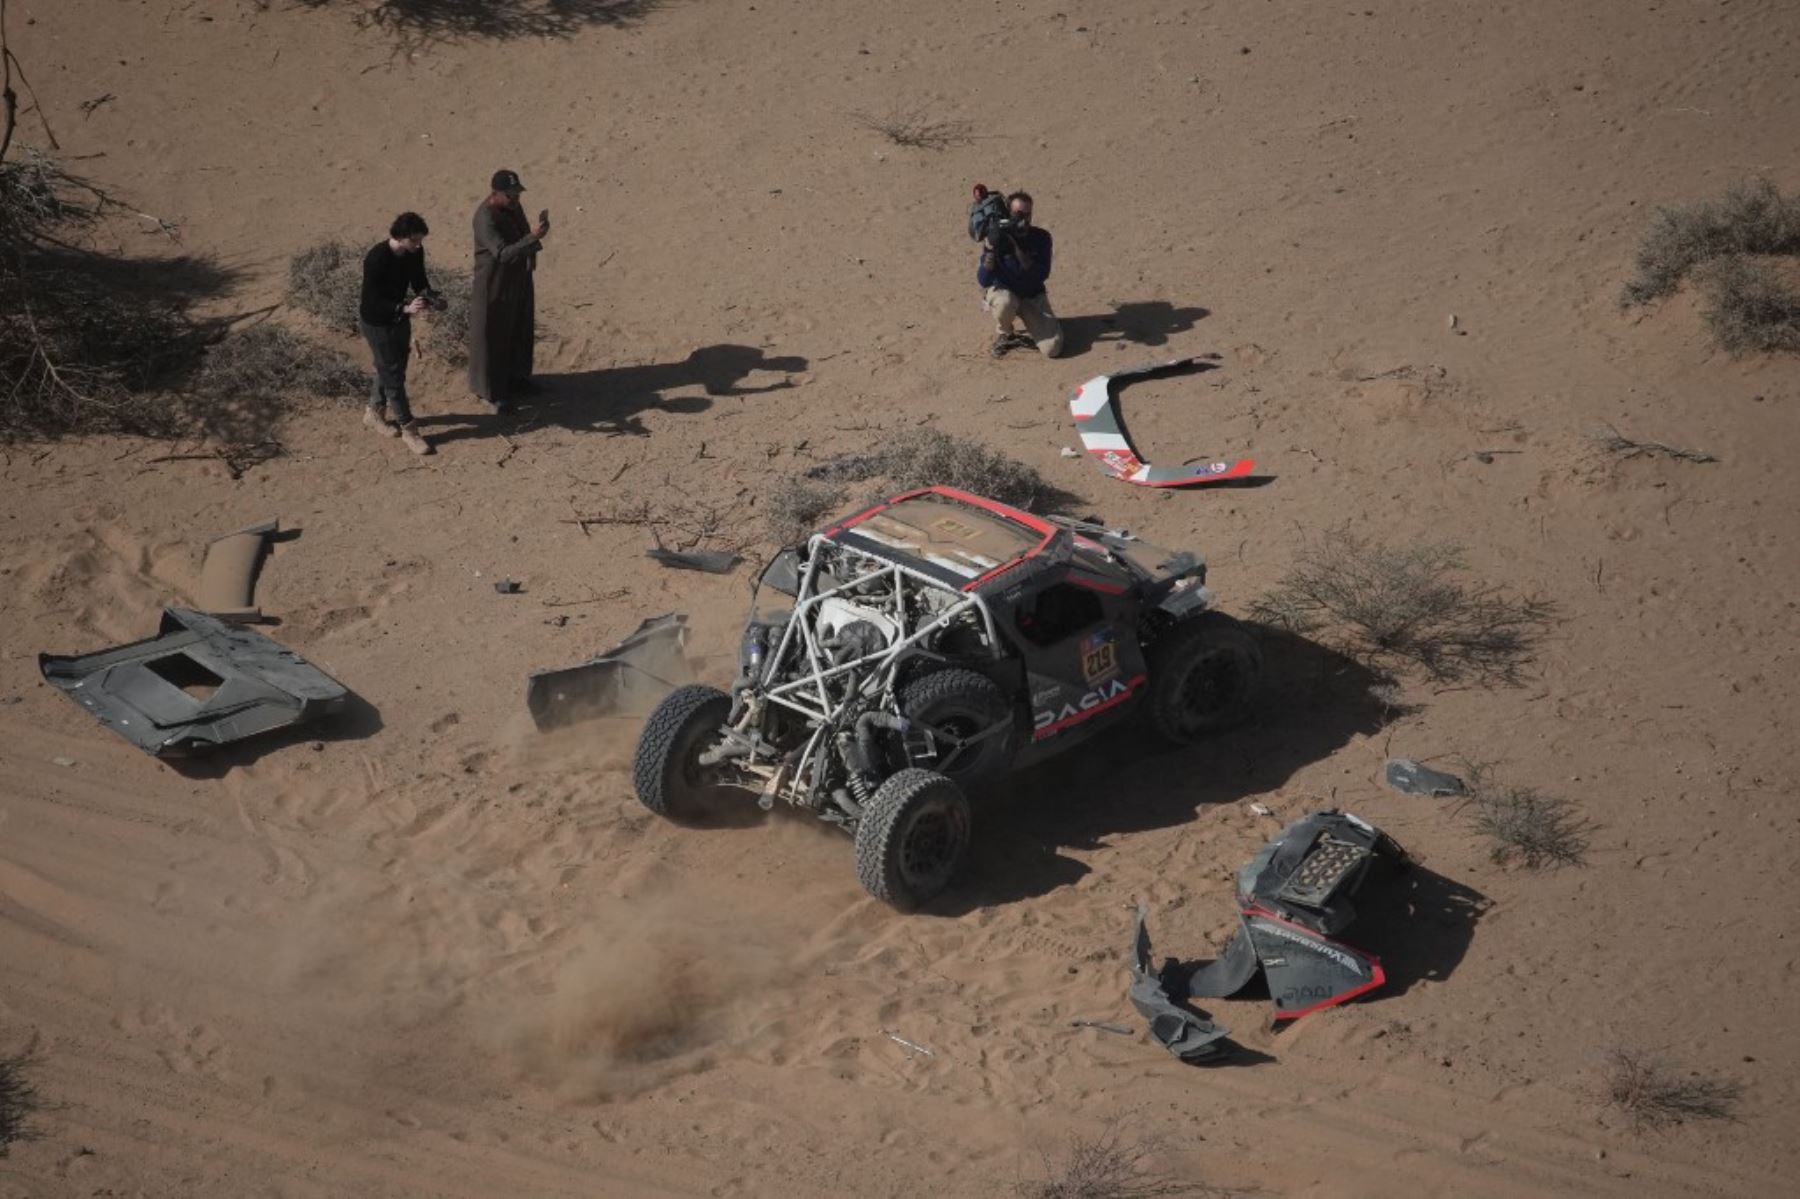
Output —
(808, 695)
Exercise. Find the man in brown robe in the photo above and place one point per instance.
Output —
(503, 308)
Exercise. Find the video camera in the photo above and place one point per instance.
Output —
(990, 218)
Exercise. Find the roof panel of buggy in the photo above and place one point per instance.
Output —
(962, 540)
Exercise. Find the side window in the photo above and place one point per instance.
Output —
(1057, 613)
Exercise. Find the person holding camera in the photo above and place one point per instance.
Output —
(503, 306)
(391, 268)
(1015, 265)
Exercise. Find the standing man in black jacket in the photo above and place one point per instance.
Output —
(390, 269)
(503, 302)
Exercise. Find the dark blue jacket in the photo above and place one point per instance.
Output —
(1025, 282)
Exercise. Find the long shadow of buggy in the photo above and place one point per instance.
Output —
(933, 643)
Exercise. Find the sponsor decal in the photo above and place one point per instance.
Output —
(1046, 721)
(1335, 954)
(1099, 657)
(955, 529)
(1219, 468)
(1120, 463)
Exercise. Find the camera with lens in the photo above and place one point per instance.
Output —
(990, 218)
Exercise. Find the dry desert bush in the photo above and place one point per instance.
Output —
(18, 1101)
(1397, 606)
(1749, 308)
(325, 282)
(1729, 246)
(1109, 1165)
(1530, 828)
(1753, 218)
(916, 457)
(1524, 826)
(88, 340)
(916, 129)
(1654, 1093)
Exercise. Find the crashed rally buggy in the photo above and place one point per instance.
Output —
(934, 642)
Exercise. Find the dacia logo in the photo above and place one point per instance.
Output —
(1105, 693)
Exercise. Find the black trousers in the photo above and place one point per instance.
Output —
(392, 346)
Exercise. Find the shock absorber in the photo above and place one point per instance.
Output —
(859, 771)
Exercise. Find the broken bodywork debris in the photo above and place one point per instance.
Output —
(1293, 898)
(628, 679)
(1096, 412)
(716, 562)
(201, 682)
(1410, 778)
(1181, 1032)
(228, 573)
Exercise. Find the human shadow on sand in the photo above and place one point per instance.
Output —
(1314, 702)
(1141, 322)
(612, 401)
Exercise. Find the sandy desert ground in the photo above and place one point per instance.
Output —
(434, 954)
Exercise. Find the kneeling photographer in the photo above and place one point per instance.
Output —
(1015, 265)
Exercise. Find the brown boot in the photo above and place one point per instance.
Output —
(412, 439)
(376, 419)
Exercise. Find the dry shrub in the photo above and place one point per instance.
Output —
(1655, 1094)
(798, 505)
(915, 129)
(1111, 1165)
(267, 364)
(414, 22)
(1749, 308)
(87, 340)
(325, 281)
(1530, 828)
(911, 458)
(1753, 218)
(18, 1102)
(1392, 606)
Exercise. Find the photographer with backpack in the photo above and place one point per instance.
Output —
(1015, 265)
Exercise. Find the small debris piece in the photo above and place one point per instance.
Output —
(1410, 778)
(1069, 453)
(1120, 1029)
(228, 573)
(508, 587)
(63, 761)
(627, 680)
(1181, 1032)
(1261, 809)
(910, 1047)
(1450, 321)
(716, 562)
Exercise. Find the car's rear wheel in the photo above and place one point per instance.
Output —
(912, 838)
(960, 705)
(1203, 676)
(666, 769)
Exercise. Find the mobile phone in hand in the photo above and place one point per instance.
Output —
(544, 217)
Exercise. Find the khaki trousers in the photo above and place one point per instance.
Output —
(1040, 322)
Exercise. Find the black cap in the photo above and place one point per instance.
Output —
(507, 181)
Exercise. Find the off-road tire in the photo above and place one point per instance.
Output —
(912, 838)
(1203, 676)
(969, 703)
(663, 769)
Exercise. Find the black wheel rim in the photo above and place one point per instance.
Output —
(1212, 686)
(932, 844)
(953, 759)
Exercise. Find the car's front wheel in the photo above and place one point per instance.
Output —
(1203, 676)
(666, 769)
(912, 838)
